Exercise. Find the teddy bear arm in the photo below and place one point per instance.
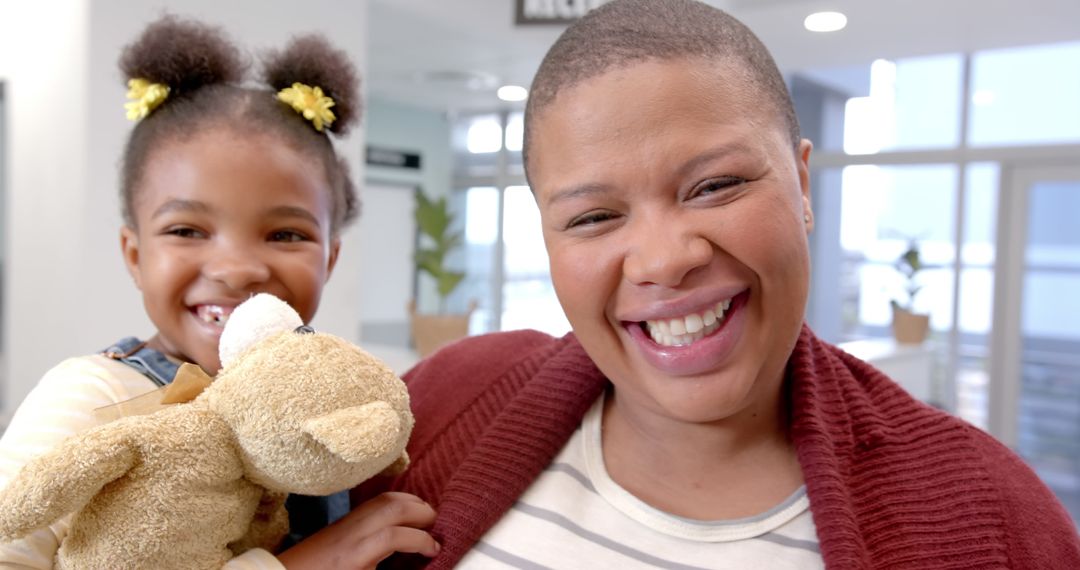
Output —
(64, 479)
(360, 433)
(398, 466)
(268, 527)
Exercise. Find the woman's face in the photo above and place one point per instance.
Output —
(673, 210)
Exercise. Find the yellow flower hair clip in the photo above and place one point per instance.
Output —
(309, 102)
(146, 96)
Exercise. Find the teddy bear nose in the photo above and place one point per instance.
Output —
(304, 329)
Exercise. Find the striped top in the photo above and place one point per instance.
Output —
(61, 405)
(574, 511)
(892, 482)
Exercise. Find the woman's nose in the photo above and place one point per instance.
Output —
(238, 267)
(663, 253)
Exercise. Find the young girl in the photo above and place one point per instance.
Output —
(227, 190)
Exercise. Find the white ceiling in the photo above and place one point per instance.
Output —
(447, 39)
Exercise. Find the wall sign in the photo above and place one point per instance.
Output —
(544, 12)
(379, 156)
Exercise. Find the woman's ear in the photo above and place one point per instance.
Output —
(129, 248)
(805, 148)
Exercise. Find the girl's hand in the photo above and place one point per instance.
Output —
(388, 523)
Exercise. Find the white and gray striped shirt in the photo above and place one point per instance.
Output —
(575, 516)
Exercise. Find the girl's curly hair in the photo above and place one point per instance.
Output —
(205, 73)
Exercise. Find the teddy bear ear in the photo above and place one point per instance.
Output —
(360, 433)
(256, 319)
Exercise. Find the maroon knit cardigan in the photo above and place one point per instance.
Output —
(892, 482)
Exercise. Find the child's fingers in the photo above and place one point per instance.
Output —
(388, 523)
(389, 540)
(387, 498)
(389, 510)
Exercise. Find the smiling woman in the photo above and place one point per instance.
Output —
(692, 417)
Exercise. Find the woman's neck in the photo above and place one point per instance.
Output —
(738, 467)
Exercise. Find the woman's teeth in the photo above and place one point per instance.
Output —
(213, 314)
(685, 330)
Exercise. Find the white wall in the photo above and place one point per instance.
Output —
(402, 127)
(44, 65)
(66, 289)
(424, 131)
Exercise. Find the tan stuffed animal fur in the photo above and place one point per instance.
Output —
(191, 485)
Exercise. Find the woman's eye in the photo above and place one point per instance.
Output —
(288, 236)
(590, 219)
(715, 185)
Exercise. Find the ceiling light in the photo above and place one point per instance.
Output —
(825, 21)
(512, 93)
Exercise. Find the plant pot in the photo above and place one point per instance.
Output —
(432, 332)
(908, 327)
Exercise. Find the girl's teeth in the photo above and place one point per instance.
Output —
(214, 314)
(685, 330)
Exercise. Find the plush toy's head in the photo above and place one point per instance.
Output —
(313, 413)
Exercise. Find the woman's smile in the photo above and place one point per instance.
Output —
(693, 344)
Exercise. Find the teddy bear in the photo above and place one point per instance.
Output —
(192, 484)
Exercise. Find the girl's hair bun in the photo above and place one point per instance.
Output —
(311, 60)
(182, 54)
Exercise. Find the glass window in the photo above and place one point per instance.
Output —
(481, 231)
(515, 131)
(882, 209)
(913, 104)
(1051, 303)
(1049, 409)
(977, 292)
(529, 299)
(484, 134)
(1025, 95)
(980, 221)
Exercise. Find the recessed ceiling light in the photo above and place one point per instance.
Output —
(825, 21)
(512, 93)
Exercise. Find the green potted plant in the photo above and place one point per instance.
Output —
(908, 326)
(438, 240)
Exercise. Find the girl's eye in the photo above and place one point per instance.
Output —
(590, 219)
(715, 185)
(184, 232)
(288, 236)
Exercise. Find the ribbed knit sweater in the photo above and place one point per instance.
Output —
(892, 482)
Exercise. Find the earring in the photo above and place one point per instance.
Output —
(806, 218)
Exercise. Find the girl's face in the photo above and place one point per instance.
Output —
(221, 216)
(673, 209)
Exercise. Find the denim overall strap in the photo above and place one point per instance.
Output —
(151, 363)
(306, 514)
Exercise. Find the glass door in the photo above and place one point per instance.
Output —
(1035, 373)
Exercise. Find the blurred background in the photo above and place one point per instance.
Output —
(946, 186)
